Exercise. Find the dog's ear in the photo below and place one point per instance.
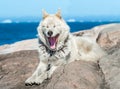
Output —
(58, 14)
(45, 14)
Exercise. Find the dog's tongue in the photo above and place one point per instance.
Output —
(52, 41)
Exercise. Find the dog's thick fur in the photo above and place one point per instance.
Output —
(64, 49)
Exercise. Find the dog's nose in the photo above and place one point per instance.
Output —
(50, 33)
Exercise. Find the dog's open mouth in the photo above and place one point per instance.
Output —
(53, 41)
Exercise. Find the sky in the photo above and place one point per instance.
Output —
(70, 8)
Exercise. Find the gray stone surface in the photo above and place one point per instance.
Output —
(110, 65)
(16, 67)
(78, 75)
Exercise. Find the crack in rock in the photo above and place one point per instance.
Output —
(104, 84)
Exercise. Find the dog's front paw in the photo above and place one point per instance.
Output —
(39, 80)
(30, 81)
(35, 80)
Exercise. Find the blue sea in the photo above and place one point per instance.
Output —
(13, 32)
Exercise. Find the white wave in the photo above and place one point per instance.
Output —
(71, 20)
(7, 21)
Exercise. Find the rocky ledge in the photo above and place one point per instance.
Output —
(19, 60)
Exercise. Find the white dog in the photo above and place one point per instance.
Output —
(57, 46)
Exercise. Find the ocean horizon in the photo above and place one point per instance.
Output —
(13, 32)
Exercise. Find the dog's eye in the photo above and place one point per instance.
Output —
(54, 26)
(43, 26)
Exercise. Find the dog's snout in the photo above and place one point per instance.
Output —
(50, 33)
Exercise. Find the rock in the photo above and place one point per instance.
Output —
(19, 46)
(110, 65)
(77, 75)
(109, 36)
(95, 32)
(16, 67)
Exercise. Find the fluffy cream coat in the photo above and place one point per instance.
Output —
(64, 49)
